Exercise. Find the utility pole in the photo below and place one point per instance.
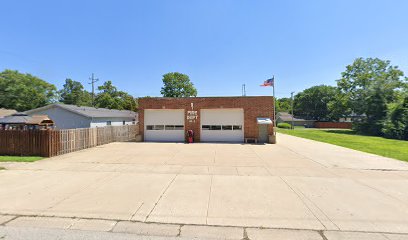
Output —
(243, 90)
(93, 81)
(293, 122)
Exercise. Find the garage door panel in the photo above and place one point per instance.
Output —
(161, 116)
(222, 116)
(222, 125)
(164, 125)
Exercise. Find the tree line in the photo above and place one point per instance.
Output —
(370, 88)
(23, 92)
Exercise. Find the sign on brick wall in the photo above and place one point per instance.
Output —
(192, 116)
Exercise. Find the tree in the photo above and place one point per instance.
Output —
(24, 91)
(107, 97)
(368, 82)
(338, 107)
(283, 105)
(313, 103)
(375, 115)
(177, 85)
(73, 93)
(396, 125)
(110, 97)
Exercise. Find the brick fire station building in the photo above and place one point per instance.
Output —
(213, 119)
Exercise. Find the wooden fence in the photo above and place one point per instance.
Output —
(341, 125)
(49, 143)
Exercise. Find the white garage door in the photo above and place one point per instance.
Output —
(164, 125)
(222, 125)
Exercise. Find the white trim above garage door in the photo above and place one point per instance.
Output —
(222, 125)
(164, 125)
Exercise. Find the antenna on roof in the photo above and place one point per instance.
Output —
(243, 90)
(93, 80)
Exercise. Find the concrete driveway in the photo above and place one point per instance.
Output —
(296, 184)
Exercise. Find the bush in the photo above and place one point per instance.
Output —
(372, 128)
(397, 124)
(284, 125)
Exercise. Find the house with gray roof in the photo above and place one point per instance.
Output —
(71, 116)
(284, 117)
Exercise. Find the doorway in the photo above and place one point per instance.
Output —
(263, 133)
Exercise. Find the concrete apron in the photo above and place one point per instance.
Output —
(285, 186)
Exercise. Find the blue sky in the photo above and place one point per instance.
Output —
(220, 44)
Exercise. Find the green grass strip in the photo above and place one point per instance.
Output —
(391, 148)
(19, 159)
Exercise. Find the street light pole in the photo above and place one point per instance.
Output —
(293, 122)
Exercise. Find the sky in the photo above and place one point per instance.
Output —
(219, 44)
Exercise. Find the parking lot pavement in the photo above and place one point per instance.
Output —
(296, 184)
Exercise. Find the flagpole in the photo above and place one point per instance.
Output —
(274, 102)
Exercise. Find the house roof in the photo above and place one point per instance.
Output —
(22, 118)
(90, 112)
(40, 119)
(17, 118)
(287, 117)
(6, 112)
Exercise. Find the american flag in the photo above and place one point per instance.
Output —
(269, 82)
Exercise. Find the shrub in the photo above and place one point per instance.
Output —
(284, 125)
(397, 124)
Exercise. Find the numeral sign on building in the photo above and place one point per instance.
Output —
(192, 116)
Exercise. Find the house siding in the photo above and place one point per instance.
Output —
(64, 119)
(102, 122)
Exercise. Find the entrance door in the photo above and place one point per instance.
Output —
(263, 133)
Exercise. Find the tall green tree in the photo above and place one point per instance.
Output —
(313, 103)
(283, 105)
(367, 86)
(177, 85)
(73, 93)
(24, 91)
(110, 97)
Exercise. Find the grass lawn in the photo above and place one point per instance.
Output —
(19, 159)
(347, 138)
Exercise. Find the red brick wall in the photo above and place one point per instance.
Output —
(342, 125)
(253, 107)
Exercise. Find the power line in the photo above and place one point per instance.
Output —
(93, 81)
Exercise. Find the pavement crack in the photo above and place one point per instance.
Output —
(113, 227)
(87, 186)
(12, 219)
(73, 223)
(245, 235)
(321, 233)
(209, 199)
(158, 200)
(307, 206)
(134, 213)
(304, 156)
(179, 230)
(384, 170)
(359, 181)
